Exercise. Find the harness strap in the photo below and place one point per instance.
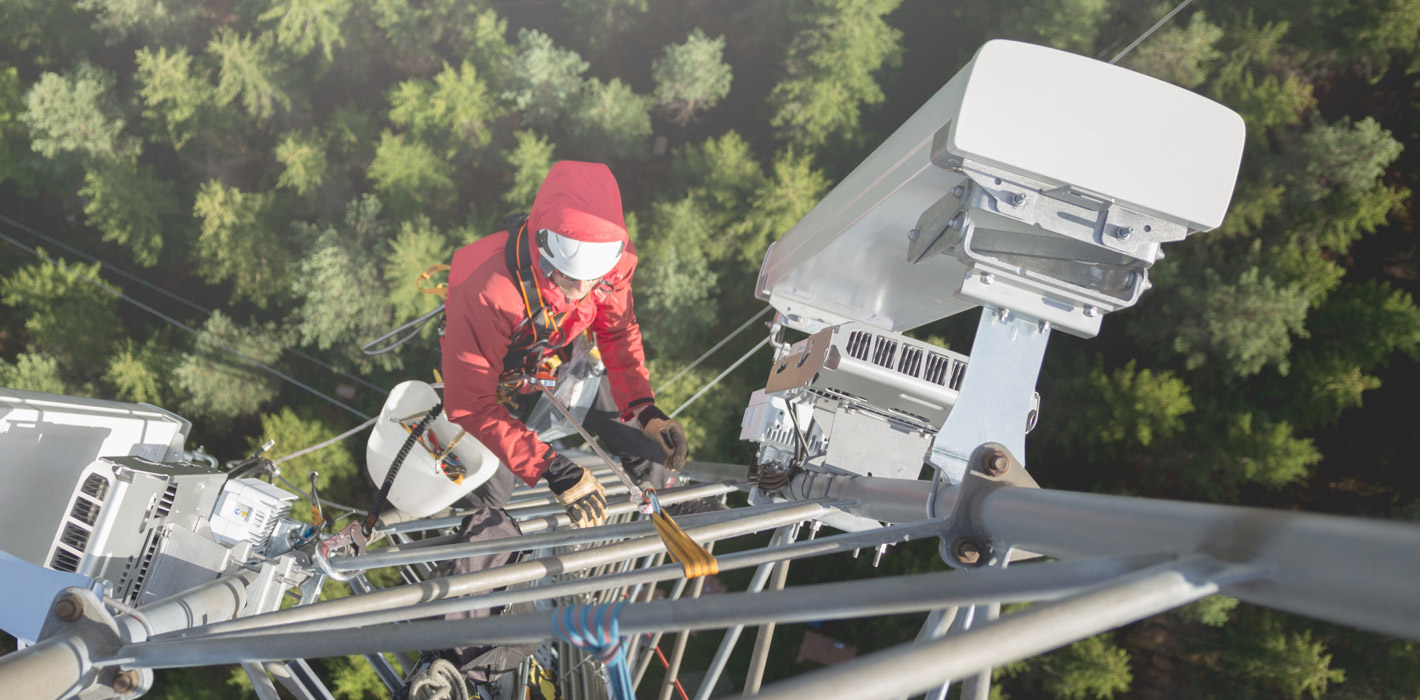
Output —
(526, 351)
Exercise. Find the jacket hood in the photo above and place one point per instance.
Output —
(580, 201)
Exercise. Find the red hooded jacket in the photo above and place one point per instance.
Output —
(486, 314)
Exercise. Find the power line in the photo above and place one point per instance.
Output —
(100, 284)
(175, 297)
(717, 346)
(1150, 30)
(723, 374)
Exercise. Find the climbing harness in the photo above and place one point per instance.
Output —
(685, 551)
(597, 629)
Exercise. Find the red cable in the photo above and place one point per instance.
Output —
(662, 656)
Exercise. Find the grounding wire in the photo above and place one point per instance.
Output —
(711, 351)
(327, 443)
(272, 370)
(1149, 31)
(722, 375)
(178, 298)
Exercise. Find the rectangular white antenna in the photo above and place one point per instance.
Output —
(1036, 180)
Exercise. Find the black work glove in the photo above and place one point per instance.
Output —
(578, 491)
(667, 432)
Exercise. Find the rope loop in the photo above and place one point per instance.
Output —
(597, 630)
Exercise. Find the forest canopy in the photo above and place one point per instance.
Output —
(271, 176)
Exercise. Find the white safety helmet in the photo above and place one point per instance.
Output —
(580, 260)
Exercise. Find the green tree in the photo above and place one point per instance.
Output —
(1071, 25)
(248, 72)
(70, 313)
(1291, 664)
(454, 112)
(140, 373)
(829, 72)
(1333, 181)
(419, 245)
(131, 206)
(1090, 668)
(19, 163)
(238, 243)
(786, 196)
(1358, 329)
(33, 372)
(339, 477)
(152, 20)
(611, 121)
(676, 288)
(1214, 611)
(409, 175)
(544, 82)
(217, 378)
(529, 162)
(1120, 412)
(1180, 55)
(691, 76)
(303, 157)
(1251, 78)
(173, 93)
(721, 174)
(76, 113)
(302, 24)
(1237, 326)
(602, 21)
(342, 303)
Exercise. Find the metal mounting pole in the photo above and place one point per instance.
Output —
(916, 668)
(732, 635)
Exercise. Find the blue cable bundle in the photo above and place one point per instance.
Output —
(597, 629)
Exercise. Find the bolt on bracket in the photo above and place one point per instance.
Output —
(965, 543)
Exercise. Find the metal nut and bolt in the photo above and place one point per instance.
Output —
(966, 551)
(1091, 311)
(126, 682)
(995, 462)
(69, 607)
(987, 278)
(913, 235)
(1124, 232)
(958, 191)
(1018, 199)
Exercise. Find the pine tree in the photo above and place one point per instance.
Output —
(218, 379)
(238, 243)
(131, 206)
(248, 74)
(691, 77)
(544, 82)
(303, 24)
(529, 163)
(75, 113)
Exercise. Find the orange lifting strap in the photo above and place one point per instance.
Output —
(439, 288)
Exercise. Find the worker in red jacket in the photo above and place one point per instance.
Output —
(517, 297)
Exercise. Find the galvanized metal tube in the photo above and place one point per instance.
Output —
(668, 497)
(862, 598)
(918, 667)
(1312, 560)
(766, 636)
(678, 650)
(877, 498)
(52, 669)
(521, 572)
(218, 600)
(728, 562)
(732, 635)
(529, 541)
